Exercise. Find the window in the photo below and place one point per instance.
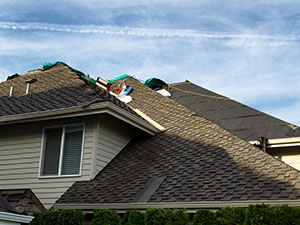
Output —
(62, 150)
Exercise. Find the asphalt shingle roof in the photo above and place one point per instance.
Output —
(5, 206)
(198, 160)
(241, 120)
(56, 88)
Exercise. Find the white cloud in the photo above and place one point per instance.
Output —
(248, 51)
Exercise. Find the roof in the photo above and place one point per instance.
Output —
(241, 120)
(5, 206)
(23, 200)
(57, 87)
(195, 160)
(8, 215)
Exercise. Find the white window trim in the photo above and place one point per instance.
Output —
(63, 126)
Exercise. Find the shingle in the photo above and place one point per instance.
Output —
(56, 88)
(5, 206)
(200, 160)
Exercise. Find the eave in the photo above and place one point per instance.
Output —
(191, 207)
(76, 111)
(280, 142)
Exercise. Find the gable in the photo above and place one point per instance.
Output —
(23, 200)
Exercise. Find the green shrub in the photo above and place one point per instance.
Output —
(157, 216)
(204, 217)
(70, 217)
(106, 217)
(231, 215)
(258, 215)
(296, 215)
(283, 214)
(37, 220)
(179, 217)
(48, 217)
(133, 217)
(253, 215)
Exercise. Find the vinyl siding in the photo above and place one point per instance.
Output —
(289, 155)
(20, 150)
(112, 136)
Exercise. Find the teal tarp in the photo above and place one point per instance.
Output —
(48, 65)
(119, 78)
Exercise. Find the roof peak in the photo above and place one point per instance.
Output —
(180, 83)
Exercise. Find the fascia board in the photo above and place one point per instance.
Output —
(191, 207)
(280, 142)
(97, 108)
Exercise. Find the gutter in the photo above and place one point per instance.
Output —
(12, 217)
(191, 207)
(280, 142)
(75, 111)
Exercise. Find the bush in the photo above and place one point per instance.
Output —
(231, 215)
(70, 217)
(37, 220)
(296, 215)
(157, 216)
(281, 215)
(179, 217)
(106, 217)
(258, 215)
(46, 218)
(253, 215)
(133, 217)
(204, 217)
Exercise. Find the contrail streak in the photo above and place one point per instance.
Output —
(140, 32)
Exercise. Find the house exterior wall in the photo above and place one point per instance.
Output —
(20, 151)
(21, 146)
(289, 155)
(112, 136)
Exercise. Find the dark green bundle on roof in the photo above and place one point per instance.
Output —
(155, 83)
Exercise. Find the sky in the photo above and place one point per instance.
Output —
(246, 50)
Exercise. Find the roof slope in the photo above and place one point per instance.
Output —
(195, 159)
(23, 200)
(56, 88)
(241, 120)
(5, 206)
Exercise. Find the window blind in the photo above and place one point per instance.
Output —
(52, 151)
(72, 150)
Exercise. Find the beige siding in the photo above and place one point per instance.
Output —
(292, 160)
(20, 150)
(289, 155)
(112, 136)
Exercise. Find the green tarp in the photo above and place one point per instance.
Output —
(155, 83)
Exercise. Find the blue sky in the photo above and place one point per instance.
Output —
(246, 50)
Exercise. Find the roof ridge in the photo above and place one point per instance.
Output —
(179, 83)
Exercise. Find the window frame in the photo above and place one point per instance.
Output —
(43, 147)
